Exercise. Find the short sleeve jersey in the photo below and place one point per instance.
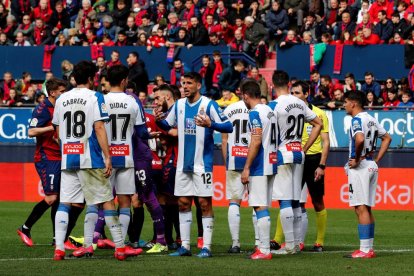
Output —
(238, 141)
(75, 113)
(46, 146)
(263, 121)
(125, 112)
(370, 128)
(195, 144)
(292, 113)
(307, 129)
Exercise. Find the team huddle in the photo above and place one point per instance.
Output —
(92, 147)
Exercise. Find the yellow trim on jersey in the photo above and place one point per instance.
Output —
(307, 128)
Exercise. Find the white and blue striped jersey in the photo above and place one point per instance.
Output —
(75, 113)
(370, 128)
(263, 121)
(292, 113)
(195, 144)
(238, 141)
(125, 112)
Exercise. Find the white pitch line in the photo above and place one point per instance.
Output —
(217, 254)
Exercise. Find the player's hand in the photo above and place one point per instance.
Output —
(245, 176)
(353, 163)
(155, 134)
(108, 167)
(319, 173)
(159, 115)
(202, 120)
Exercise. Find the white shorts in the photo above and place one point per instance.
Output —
(363, 184)
(123, 180)
(287, 183)
(234, 187)
(88, 185)
(304, 194)
(193, 184)
(260, 190)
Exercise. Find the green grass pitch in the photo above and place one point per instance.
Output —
(393, 244)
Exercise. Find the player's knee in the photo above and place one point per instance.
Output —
(205, 205)
(184, 205)
(50, 199)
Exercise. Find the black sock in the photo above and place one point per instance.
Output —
(138, 221)
(175, 219)
(37, 212)
(53, 211)
(73, 217)
(168, 224)
(199, 218)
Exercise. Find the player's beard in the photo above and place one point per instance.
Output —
(164, 107)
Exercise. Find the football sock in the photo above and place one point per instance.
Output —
(168, 225)
(364, 237)
(208, 227)
(297, 222)
(91, 217)
(157, 217)
(371, 235)
(53, 211)
(256, 231)
(111, 219)
(186, 218)
(37, 212)
(234, 222)
(138, 221)
(176, 219)
(279, 230)
(303, 225)
(263, 227)
(321, 219)
(199, 216)
(99, 227)
(61, 225)
(73, 217)
(124, 218)
(286, 218)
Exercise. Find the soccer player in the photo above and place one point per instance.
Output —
(314, 169)
(362, 168)
(292, 113)
(196, 118)
(234, 147)
(79, 117)
(47, 161)
(125, 117)
(261, 163)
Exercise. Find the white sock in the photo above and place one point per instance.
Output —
(256, 231)
(286, 217)
(61, 225)
(234, 223)
(208, 226)
(124, 219)
(371, 243)
(112, 221)
(91, 217)
(297, 224)
(263, 226)
(186, 218)
(304, 225)
(364, 245)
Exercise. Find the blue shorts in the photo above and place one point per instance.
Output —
(49, 173)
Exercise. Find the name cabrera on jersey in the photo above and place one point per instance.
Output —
(75, 113)
(195, 144)
(292, 113)
(370, 128)
(263, 121)
(238, 141)
(124, 113)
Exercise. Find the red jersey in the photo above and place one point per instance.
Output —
(154, 144)
(46, 146)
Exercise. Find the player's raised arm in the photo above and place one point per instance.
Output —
(214, 119)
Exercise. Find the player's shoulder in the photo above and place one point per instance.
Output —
(319, 112)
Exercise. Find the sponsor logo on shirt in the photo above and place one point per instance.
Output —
(119, 150)
(73, 148)
(239, 151)
(295, 146)
(273, 158)
(190, 126)
(33, 122)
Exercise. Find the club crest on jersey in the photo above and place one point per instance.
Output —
(190, 126)
(33, 122)
(356, 125)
